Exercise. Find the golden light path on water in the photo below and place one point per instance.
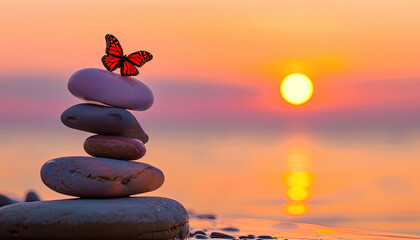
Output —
(296, 208)
(298, 181)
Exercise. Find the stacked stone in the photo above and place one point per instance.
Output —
(107, 179)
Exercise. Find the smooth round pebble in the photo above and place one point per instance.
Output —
(116, 147)
(221, 235)
(98, 85)
(4, 200)
(230, 229)
(200, 236)
(266, 237)
(32, 197)
(103, 120)
(105, 219)
(100, 177)
(199, 232)
(250, 236)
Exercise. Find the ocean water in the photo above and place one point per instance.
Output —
(359, 182)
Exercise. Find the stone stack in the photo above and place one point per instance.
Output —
(104, 181)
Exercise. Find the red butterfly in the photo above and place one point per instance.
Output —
(115, 58)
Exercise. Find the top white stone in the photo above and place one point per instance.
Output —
(101, 86)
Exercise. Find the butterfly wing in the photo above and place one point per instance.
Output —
(111, 63)
(115, 58)
(139, 58)
(128, 69)
(113, 46)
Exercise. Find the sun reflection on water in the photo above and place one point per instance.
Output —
(296, 208)
(298, 181)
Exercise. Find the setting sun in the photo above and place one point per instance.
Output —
(296, 88)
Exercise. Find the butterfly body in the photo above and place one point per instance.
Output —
(115, 58)
(122, 59)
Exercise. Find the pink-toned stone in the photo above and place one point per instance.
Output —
(100, 177)
(116, 147)
(101, 86)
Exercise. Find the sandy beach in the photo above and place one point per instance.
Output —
(236, 227)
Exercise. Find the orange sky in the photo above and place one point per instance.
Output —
(235, 38)
(237, 42)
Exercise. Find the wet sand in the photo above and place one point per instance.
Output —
(255, 228)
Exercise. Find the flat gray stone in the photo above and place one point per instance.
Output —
(103, 120)
(98, 85)
(30, 197)
(104, 219)
(92, 177)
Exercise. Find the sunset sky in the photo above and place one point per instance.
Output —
(215, 74)
(361, 55)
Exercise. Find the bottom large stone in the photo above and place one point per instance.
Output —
(117, 218)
